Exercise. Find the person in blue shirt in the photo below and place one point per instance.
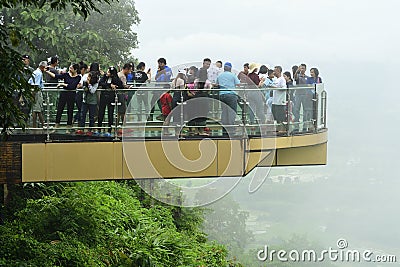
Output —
(37, 79)
(131, 75)
(164, 73)
(227, 82)
(314, 77)
(163, 77)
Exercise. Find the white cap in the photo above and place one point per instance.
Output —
(182, 71)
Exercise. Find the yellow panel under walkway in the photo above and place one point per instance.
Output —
(189, 158)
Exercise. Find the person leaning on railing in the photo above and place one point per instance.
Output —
(67, 96)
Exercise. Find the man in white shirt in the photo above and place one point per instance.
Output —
(37, 79)
(279, 96)
(213, 71)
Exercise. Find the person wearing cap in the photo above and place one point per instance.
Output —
(227, 81)
(26, 59)
(37, 79)
(18, 97)
(253, 73)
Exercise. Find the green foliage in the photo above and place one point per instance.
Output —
(16, 37)
(106, 38)
(102, 224)
(13, 81)
(83, 7)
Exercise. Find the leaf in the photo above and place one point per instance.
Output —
(48, 20)
(15, 41)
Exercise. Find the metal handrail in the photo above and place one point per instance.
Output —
(317, 122)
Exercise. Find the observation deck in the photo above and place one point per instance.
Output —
(140, 148)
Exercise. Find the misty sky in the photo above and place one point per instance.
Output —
(355, 46)
(271, 32)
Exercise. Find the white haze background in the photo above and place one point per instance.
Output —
(355, 46)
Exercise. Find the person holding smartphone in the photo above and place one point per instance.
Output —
(142, 97)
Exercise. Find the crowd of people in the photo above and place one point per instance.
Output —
(266, 94)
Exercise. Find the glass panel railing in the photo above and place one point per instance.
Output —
(301, 106)
(154, 110)
(321, 108)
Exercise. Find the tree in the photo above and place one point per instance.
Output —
(106, 38)
(99, 224)
(12, 70)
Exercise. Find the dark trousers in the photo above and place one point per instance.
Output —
(67, 98)
(279, 113)
(92, 112)
(303, 99)
(229, 111)
(106, 98)
(198, 109)
(78, 102)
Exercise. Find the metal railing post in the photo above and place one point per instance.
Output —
(324, 101)
(182, 118)
(244, 112)
(116, 104)
(48, 104)
(315, 111)
(288, 110)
